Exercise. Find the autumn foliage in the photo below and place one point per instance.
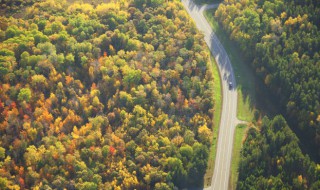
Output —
(281, 40)
(113, 96)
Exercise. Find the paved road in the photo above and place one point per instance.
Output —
(220, 180)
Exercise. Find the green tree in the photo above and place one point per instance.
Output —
(24, 95)
(176, 171)
(89, 186)
(131, 77)
(186, 152)
(162, 186)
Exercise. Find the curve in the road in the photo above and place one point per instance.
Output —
(220, 179)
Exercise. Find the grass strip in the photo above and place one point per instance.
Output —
(243, 73)
(239, 135)
(252, 93)
(217, 97)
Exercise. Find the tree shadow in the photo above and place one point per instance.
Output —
(254, 92)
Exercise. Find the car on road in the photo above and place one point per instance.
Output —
(230, 85)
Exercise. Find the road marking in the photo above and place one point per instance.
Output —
(228, 117)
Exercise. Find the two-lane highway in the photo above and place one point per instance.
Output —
(220, 180)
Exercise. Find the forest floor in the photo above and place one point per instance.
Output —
(252, 93)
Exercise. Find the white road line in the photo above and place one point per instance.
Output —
(226, 139)
(220, 180)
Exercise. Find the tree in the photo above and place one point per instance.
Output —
(32, 156)
(39, 81)
(186, 152)
(162, 186)
(3, 183)
(270, 34)
(273, 155)
(131, 76)
(69, 59)
(89, 186)
(189, 43)
(24, 95)
(197, 170)
(176, 171)
(204, 134)
(12, 31)
(2, 153)
(119, 40)
(102, 102)
(47, 48)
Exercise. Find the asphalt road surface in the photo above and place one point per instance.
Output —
(220, 180)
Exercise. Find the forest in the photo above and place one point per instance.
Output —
(271, 159)
(111, 95)
(281, 40)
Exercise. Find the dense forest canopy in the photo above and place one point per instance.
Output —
(272, 159)
(282, 39)
(108, 96)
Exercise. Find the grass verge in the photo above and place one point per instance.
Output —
(245, 83)
(252, 93)
(217, 97)
(237, 146)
